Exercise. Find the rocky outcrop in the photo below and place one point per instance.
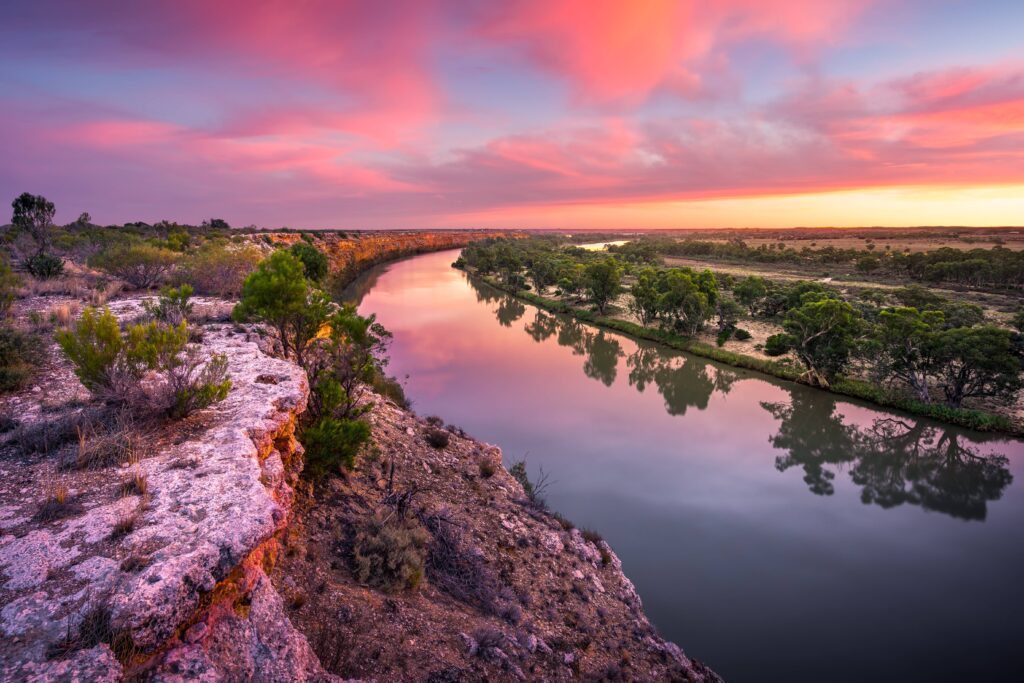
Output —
(352, 253)
(180, 593)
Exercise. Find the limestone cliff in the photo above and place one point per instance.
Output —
(183, 593)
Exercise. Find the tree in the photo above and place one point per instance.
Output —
(84, 220)
(508, 264)
(341, 362)
(975, 362)
(823, 333)
(728, 312)
(314, 261)
(751, 291)
(868, 264)
(34, 215)
(602, 280)
(543, 272)
(645, 299)
(278, 294)
(688, 298)
(902, 347)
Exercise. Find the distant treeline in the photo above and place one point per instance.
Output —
(997, 267)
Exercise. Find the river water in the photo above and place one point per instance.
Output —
(776, 532)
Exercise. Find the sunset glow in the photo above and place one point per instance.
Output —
(525, 113)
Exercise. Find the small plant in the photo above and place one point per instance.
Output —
(195, 384)
(57, 504)
(9, 284)
(332, 444)
(487, 469)
(390, 554)
(62, 315)
(534, 490)
(173, 306)
(125, 524)
(136, 485)
(741, 334)
(19, 356)
(95, 628)
(438, 438)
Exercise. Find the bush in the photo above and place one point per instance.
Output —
(9, 283)
(333, 443)
(195, 384)
(111, 363)
(314, 262)
(438, 438)
(391, 555)
(723, 336)
(140, 265)
(219, 270)
(172, 306)
(44, 266)
(19, 355)
(777, 344)
(741, 334)
(389, 388)
(94, 346)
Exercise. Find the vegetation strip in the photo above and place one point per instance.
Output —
(866, 391)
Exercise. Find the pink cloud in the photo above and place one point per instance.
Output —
(624, 51)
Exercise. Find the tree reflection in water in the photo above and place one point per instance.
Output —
(895, 460)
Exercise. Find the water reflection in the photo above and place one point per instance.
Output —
(893, 460)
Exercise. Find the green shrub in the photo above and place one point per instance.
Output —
(218, 269)
(19, 355)
(723, 336)
(391, 555)
(777, 344)
(140, 265)
(389, 388)
(173, 306)
(93, 345)
(44, 266)
(741, 334)
(314, 261)
(332, 444)
(9, 284)
(195, 384)
(110, 362)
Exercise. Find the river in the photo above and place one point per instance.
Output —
(776, 532)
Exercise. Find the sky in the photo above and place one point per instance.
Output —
(566, 114)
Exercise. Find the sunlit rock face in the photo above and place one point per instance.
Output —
(183, 595)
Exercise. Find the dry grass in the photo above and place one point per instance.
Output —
(63, 314)
(135, 485)
(57, 503)
(93, 629)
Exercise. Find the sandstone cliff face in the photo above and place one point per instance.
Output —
(184, 594)
(355, 252)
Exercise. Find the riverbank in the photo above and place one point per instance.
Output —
(855, 388)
